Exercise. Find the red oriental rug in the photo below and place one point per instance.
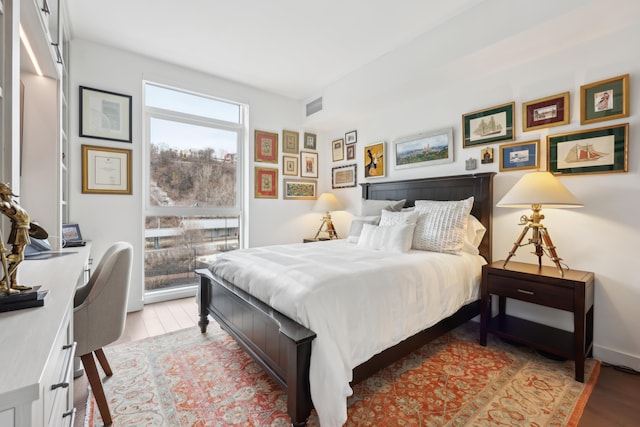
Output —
(188, 379)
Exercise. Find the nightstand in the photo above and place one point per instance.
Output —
(547, 287)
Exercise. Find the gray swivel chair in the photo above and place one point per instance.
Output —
(100, 309)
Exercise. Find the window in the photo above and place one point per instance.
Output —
(194, 186)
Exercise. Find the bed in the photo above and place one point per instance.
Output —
(283, 346)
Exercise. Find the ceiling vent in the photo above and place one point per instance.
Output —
(314, 106)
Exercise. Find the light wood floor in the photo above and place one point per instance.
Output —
(614, 401)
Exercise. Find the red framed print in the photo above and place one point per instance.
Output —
(266, 183)
(546, 112)
(266, 147)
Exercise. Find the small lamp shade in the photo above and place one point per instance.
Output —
(539, 188)
(327, 202)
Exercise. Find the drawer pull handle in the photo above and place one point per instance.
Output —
(60, 385)
(523, 291)
(72, 415)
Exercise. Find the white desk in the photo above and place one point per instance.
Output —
(34, 354)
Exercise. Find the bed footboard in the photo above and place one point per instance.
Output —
(280, 345)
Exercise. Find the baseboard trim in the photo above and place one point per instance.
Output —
(615, 357)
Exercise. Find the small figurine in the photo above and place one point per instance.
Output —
(22, 228)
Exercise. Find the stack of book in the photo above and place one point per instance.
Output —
(33, 297)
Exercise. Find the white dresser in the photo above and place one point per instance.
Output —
(37, 348)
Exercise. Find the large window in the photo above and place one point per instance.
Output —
(194, 186)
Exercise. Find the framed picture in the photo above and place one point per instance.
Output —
(520, 156)
(344, 176)
(290, 142)
(374, 160)
(106, 170)
(309, 141)
(105, 115)
(351, 137)
(424, 149)
(300, 189)
(487, 126)
(486, 155)
(546, 112)
(351, 151)
(266, 183)
(266, 147)
(290, 165)
(337, 150)
(601, 150)
(309, 164)
(604, 100)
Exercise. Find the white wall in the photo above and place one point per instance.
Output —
(105, 219)
(502, 51)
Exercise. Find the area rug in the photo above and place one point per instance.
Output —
(186, 378)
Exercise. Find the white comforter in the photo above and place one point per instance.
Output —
(358, 301)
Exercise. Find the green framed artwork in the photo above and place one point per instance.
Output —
(601, 150)
(604, 100)
(488, 125)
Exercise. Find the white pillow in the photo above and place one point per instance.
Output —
(442, 225)
(356, 226)
(398, 218)
(374, 207)
(473, 236)
(391, 238)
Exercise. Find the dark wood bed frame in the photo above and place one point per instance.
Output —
(283, 347)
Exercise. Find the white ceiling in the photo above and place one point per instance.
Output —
(294, 48)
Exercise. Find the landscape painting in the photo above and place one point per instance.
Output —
(424, 149)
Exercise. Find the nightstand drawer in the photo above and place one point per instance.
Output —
(535, 292)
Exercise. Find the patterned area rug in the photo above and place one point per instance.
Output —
(188, 379)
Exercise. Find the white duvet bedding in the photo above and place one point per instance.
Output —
(358, 301)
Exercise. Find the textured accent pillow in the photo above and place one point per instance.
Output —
(374, 207)
(356, 226)
(398, 218)
(442, 225)
(391, 238)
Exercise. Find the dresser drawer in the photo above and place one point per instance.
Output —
(534, 292)
(58, 379)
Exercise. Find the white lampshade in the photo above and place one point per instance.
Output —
(327, 202)
(539, 188)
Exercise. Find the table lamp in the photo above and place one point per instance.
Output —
(535, 190)
(327, 202)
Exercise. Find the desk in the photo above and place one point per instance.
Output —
(37, 345)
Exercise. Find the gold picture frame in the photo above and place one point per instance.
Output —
(265, 147)
(290, 142)
(106, 170)
(546, 112)
(520, 156)
(489, 125)
(290, 165)
(300, 189)
(266, 183)
(604, 100)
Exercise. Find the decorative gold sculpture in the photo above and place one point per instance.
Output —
(22, 228)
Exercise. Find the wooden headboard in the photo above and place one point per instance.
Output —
(456, 187)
